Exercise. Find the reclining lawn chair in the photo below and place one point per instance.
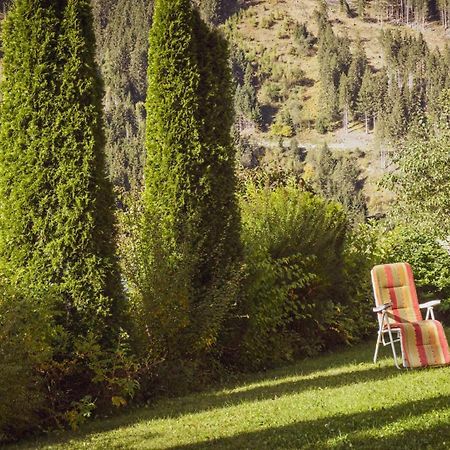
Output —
(423, 342)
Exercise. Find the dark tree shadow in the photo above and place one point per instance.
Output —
(176, 408)
(304, 434)
(309, 379)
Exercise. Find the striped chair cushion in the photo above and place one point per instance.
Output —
(424, 344)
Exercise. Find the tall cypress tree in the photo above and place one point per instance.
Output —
(189, 174)
(56, 217)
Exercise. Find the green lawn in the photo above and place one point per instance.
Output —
(334, 401)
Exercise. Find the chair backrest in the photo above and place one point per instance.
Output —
(394, 283)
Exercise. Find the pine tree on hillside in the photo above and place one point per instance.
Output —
(397, 119)
(379, 96)
(57, 220)
(246, 102)
(122, 54)
(190, 179)
(366, 98)
(355, 74)
(347, 189)
(325, 164)
(329, 101)
(344, 101)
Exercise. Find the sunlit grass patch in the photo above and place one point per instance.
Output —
(334, 401)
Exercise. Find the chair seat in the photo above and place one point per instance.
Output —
(424, 343)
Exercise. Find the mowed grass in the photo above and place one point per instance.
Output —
(336, 401)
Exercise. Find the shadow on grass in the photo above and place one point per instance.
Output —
(175, 408)
(317, 434)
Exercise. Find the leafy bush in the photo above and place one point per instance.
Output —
(50, 378)
(430, 261)
(167, 328)
(293, 292)
(365, 247)
(24, 344)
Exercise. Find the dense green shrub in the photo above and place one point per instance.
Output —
(293, 296)
(430, 261)
(366, 245)
(25, 334)
(191, 220)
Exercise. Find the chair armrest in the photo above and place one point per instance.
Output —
(429, 304)
(382, 308)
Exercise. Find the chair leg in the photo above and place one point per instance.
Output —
(377, 347)
(394, 352)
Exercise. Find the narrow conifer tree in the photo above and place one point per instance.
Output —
(56, 220)
(344, 101)
(190, 181)
(366, 102)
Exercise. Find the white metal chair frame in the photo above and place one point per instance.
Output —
(386, 328)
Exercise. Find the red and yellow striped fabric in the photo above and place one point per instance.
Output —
(424, 344)
(423, 341)
(394, 283)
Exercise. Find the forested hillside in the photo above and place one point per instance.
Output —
(355, 75)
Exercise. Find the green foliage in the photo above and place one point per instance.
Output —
(57, 253)
(190, 205)
(421, 182)
(334, 58)
(430, 261)
(337, 179)
(26, 329)
(378, 243)
(56, 222)
(366, 98)
(122, 34)
(282, 129)
(303, 38)
(356, 72)
(344, 100)
(246, 103)
(293, 294)
(91, 379)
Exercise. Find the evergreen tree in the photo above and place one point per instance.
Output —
(246, 103)
(355, 73)
(325, 164)
(344, 101)
(397, 119)
(57, 220)
(303, 38)
(190, 178)
(379, 96)
(329, 100)
(346, 188)
(422, 185)
(122, 30)
(366, 98)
